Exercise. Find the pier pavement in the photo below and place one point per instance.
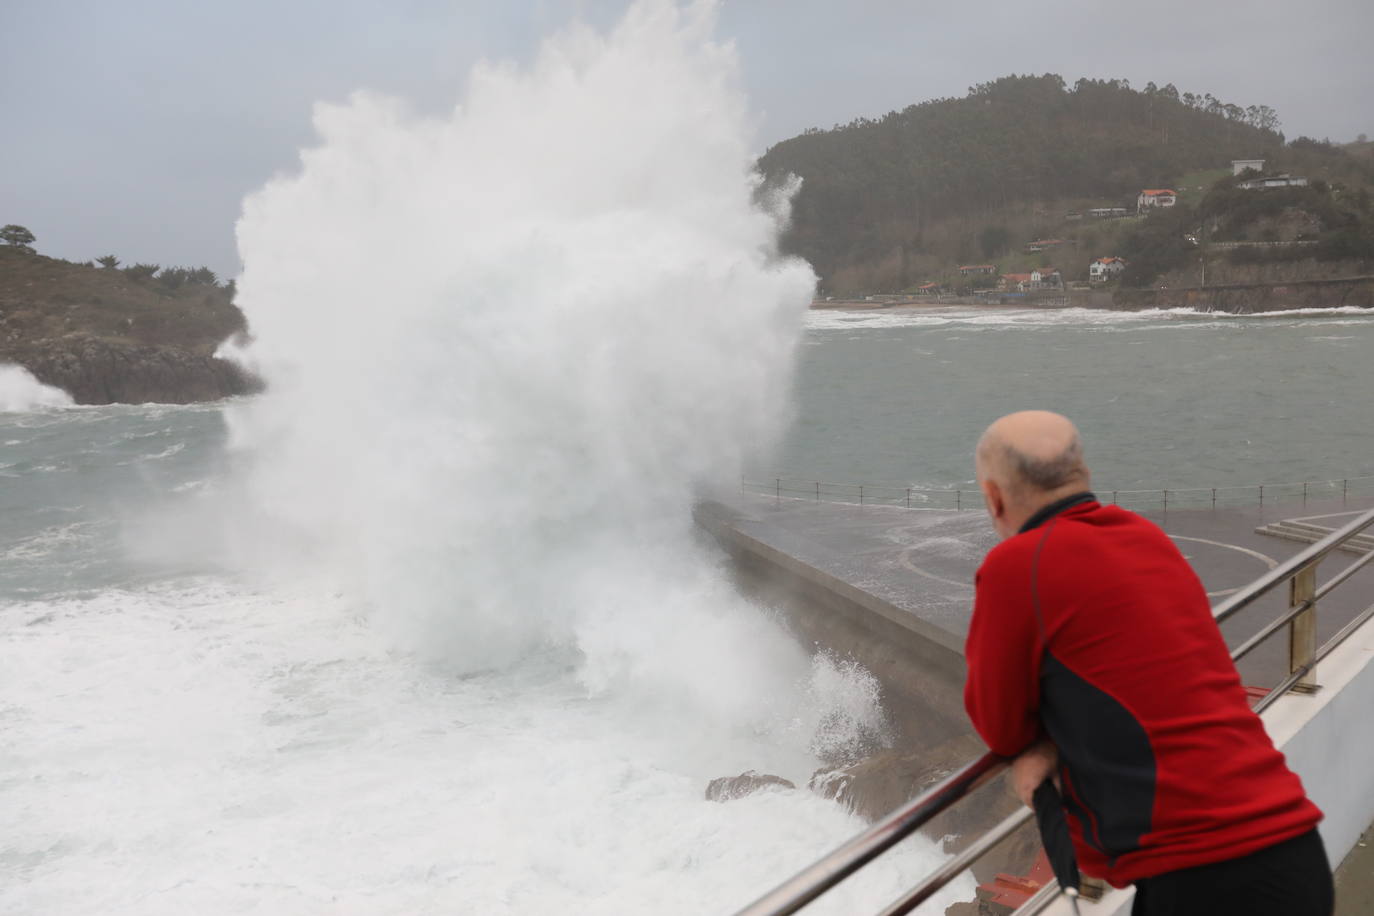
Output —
(922, 561)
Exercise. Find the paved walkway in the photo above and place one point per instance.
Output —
(923, 560)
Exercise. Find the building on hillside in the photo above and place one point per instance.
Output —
(1264, 182)
(1108, 212)
(1043, 244)
(1046, 278)
(1103, 269)
(973, 270)
(1155, 197)
(1241, 165)
(1015, 283)
(930, 289)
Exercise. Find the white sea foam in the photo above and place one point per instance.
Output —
(498, 378)
(198, 748)
(20, 392)
(997, 317)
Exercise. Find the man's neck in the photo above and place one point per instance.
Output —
(1052, 503)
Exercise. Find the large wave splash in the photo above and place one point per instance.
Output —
(507, 348)
(20, 392)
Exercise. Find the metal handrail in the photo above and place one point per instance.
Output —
(1291, 567)
(828, 871)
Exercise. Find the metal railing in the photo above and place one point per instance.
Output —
(866, 494)
(1299, 572)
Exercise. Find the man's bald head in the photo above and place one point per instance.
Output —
(1030, 458)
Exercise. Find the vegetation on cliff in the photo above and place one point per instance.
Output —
(110, 334)
(891, 202)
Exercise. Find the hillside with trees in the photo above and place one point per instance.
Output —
(107, 333)
(891, 202)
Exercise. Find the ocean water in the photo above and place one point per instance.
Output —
(427, 628)
(1164, 399)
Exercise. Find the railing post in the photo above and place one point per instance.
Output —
(861, 494)
(1214, 497)
(1114, 498)
(1304, 492)
(1302, 632)
(1261, 486)
(959, 500)
(908, 497)
(1166, 500)
(1344, 484)
(818, 491)
(777, 488)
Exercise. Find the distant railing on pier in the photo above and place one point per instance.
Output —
(863, 494)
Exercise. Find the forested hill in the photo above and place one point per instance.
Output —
(887, 202)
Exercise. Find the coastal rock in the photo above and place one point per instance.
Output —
(96, 371)
(728, 788)
(877, 785)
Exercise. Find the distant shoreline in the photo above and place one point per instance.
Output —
(1239, 299)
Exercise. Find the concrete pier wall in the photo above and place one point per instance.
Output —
(920, 666)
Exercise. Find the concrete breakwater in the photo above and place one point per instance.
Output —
(1246, 298)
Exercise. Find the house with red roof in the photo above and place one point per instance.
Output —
(1015, 283)
(1103, 269)
(1155, 197)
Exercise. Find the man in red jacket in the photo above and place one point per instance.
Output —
(1093, 656)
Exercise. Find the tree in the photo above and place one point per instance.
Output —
(141, 271)
(993, 240)
(109, 262)
(17, 237)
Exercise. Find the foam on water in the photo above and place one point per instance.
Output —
(20, 392)
(273, 756)
(998, 317)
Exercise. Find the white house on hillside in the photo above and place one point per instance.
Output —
(1273, 181)
(1156, 197)
(1046, 278)
(1240, 165)
(1103, 269)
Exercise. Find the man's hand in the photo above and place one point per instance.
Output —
(1031, 767)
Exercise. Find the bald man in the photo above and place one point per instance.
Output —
(1093, 657)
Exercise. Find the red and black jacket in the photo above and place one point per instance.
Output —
(1091, 628)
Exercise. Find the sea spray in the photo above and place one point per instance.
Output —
(20, 392)
(508, 347)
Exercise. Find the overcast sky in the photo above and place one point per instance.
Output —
(136, 127)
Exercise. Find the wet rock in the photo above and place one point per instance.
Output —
(878, 785)
(727, 788)
(96, 371)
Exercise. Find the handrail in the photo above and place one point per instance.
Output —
(828, 871)
(1290, 567)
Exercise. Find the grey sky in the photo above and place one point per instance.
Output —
(136, 127)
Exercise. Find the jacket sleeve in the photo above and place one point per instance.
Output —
(1002, 694)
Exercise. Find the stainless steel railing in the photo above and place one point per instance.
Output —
(1299, 572)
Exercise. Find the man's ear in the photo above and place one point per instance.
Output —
(993, 496)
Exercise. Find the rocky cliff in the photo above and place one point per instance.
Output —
(106, 335)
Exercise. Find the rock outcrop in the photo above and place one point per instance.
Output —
(878, 785)
(728, 788)
(106, 335)
(95, 371)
